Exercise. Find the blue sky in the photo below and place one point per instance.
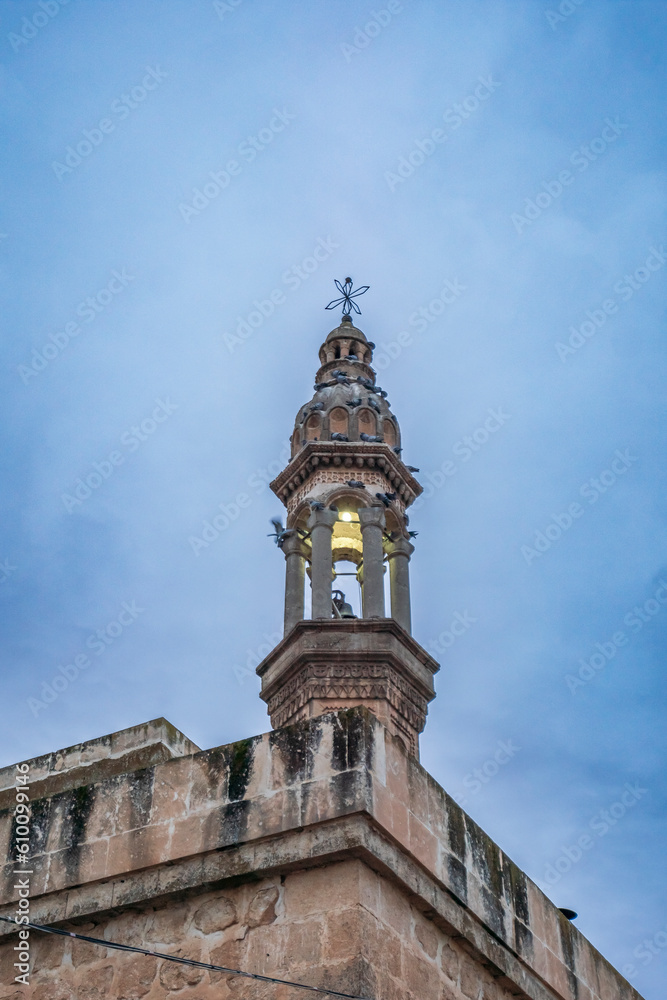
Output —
(502, 149)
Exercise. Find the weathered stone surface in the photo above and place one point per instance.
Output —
(215, 915)
(323, 851)
(95, 984)
(322, 666)
(177, 977)
(262, 909)
(134, 976)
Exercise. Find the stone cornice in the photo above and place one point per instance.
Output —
(346, 454)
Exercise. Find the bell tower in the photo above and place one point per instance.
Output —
(346, 490)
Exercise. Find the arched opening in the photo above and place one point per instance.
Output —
(337, 352)
(313, 427)
(347, 581)
(389, 431)
(353, 348)
(366, 421)
(338, 421)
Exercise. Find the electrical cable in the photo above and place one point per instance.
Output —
(181, 961)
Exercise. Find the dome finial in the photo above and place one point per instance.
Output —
(348, 296)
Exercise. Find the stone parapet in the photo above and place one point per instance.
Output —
(127, 750)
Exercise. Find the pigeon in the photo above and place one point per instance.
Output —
(411, 468)
(320, 385)
(374, 405)
(339, 437)
(406, 520)
(413, 534)
(342, 379)
(392, 496)
(354, 402)
(397, 450)
(317, 406)
(351, 357)
(365, 381)
(280, 533)
(371, 345)
(356, 484)
(386, 498)
(333, 507)
(316, 505)
(371, 438)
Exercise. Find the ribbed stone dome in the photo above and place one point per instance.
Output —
(346, 401)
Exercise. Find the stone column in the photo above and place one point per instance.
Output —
(295, 553)
(398, 555)
(372, 524)
(321, 524)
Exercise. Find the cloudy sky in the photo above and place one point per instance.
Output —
(495, 172)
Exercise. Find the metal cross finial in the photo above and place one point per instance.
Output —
(348, 297)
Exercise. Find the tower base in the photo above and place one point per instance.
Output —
(326, 666)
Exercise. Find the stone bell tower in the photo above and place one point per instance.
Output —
(346, 490)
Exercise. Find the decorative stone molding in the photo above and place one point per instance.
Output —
(326, 666)
(316, 455)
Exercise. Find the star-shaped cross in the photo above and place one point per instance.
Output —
(348, 297)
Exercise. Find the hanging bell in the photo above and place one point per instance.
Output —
(341, 609)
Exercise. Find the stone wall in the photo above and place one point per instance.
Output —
(343, 926)
(304, 806)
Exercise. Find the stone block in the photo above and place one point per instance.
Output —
(262, 908)
(60, 988)
(167, 926)
(304, 942)
(395, 910)
(94, 984)
(320, 890)
(173, 976)
(343, 933)
(450, 961)
(215, 915)
(134, 976)
(427, 936)
(231, 955)
(422, 844)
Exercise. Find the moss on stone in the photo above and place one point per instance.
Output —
(240, 758)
